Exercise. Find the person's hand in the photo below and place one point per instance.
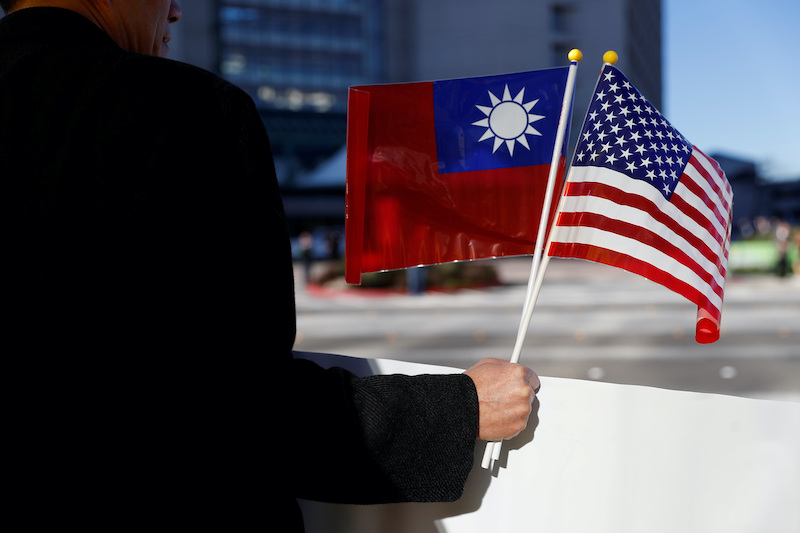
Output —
(505, 393)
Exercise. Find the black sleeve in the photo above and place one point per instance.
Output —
(380, 439)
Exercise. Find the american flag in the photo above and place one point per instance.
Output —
(639, 196)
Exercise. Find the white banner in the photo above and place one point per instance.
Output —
(601, 457)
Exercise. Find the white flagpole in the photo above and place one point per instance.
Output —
(492, 452)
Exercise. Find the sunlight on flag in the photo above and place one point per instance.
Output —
(450, 170)
(641, 197)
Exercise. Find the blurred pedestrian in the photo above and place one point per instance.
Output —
(306, 242)
(783, 240)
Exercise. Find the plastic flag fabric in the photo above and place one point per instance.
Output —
(639, 196)
(449, 170)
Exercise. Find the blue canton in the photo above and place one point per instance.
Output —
(456, 106)
(624, 132)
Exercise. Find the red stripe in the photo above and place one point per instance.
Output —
(711, 181)
(641, 234)
(713, 205)
(632, 200)
(636, 266)
(692, 212)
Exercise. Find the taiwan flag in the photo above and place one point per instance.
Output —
(449, 170)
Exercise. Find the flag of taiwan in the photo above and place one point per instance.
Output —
(449, 170)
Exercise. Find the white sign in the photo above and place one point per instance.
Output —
(601, 457)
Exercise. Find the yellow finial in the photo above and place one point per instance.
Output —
(575, 55)
(610, 57)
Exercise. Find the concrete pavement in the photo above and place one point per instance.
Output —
(590, 322)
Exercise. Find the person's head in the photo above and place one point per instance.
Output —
(140, 25)
(135, 25)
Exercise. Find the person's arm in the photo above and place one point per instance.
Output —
(397, 438)
(380, 439)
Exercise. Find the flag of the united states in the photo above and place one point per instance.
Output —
(639, 196)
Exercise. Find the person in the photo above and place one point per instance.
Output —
(151, 308)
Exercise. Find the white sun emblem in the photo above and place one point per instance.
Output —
(508, 120)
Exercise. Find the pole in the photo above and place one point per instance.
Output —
(492, 451)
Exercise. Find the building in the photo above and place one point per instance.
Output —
(755, 198)
(439, 39)
(296, 59)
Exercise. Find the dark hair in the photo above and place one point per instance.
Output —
(8, 5)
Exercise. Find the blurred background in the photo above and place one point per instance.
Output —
(724, 74)
(721, 72)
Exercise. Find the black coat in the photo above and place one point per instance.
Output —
(149, 278)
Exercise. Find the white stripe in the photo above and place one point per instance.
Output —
(713, 196)
(720, 180)
(707, 187)
(647, 191)
(695, 201)
(639, 250)
(612, 210)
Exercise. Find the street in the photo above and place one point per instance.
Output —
(589, 322)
